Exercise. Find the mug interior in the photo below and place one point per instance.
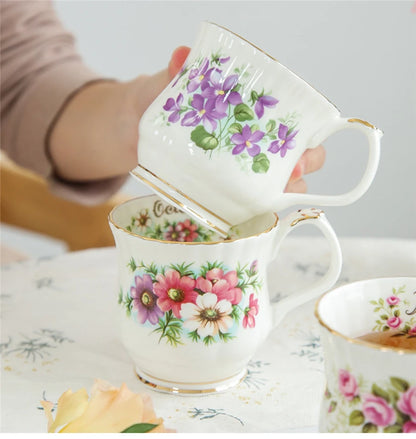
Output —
(368, 306)
(152, 218)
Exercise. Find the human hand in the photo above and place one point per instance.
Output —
(311, 160)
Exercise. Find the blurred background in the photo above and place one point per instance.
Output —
(360, 54)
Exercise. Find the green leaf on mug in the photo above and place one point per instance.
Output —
(235, 128)
(369, 428)
(395, 428)
(270, 125)
(384, 317)
(356, 417)
(139, 428)
(378, 391)
(400, 384)
(260, 164)
(203, 139)
(243, 112)
(396, 313)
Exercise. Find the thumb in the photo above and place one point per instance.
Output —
(177, 60)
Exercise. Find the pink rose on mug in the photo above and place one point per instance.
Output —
(394, 322)
(347, 384)
(378, 411)
(409, 427)
(407, 403)
(393, 300)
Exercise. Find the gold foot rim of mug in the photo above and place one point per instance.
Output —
(185, 388)
(171, 193)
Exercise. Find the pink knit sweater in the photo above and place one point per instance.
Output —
(40, 71)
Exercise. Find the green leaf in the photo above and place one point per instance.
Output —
(254, 96)
(260, 164)
(139, 428)
(356, 417)
(243, 112)
(395, 428)
(194, 336)
(396, 313)
(203, 139)
(378, 391)
(384, 317)
(369, 428)
(235, 128)
(270, 125)
(400, 384)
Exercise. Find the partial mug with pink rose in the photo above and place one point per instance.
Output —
(369, 339)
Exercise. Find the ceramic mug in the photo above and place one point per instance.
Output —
(222, 140)
(370, 387)
(194, 307)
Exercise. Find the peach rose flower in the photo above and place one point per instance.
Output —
(109, 410)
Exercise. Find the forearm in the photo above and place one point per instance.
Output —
(95, 136)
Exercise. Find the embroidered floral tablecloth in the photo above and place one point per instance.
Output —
(58, 331)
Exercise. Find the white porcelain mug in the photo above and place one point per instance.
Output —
(371, 388)
(194, 307)
(222, 140)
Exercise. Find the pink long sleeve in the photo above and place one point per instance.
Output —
(40, 72)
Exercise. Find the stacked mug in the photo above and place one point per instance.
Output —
(218, 146)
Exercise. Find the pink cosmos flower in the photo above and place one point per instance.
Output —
(174, 233)
(251, 311)
(378, 411)
(189, 229)
(407, 403)
(173, 290)
(347, 385)
(393, 300)
(223, 285)
(409, 427)
(394, 322)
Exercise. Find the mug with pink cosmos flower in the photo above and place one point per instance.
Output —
(222, 140)
(371, 388)
(194, 307)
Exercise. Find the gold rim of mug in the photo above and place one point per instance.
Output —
(123, 229)
(274, 59)
(367, 344)
(221, 386)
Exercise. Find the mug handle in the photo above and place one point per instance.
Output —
(373, 136)
(317, 218)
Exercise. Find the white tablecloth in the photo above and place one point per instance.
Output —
(58, 332)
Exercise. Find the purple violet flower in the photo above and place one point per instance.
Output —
(264, 101)
(205, 111)
(144, 300)
(220, 90)
(286, 141)
(199, 76)
(248, 140)
(174, 107)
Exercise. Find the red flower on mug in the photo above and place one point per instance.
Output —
(378, 411)
(394, 322)
(223, 285)
(407, 403)
(189, 229)
(412, 331)
(347, 385)
(173, 290)
(251, 311)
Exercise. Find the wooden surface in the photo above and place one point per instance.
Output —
(26, 202)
